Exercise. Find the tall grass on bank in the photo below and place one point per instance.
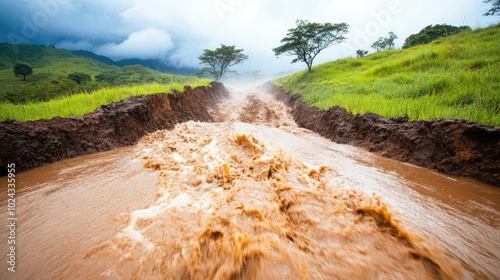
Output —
(455, 77)
(83, 103)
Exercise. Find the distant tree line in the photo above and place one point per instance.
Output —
(425, 36)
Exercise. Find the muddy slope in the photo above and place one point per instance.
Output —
(34, 143)
(449, 146)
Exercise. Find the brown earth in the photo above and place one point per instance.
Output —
(453, 147)
(34, 143)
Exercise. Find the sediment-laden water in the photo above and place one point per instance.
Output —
(250, 197)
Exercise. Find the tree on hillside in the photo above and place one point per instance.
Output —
(67, 85)
(361, 53)
(495, 8)
(389, 41)
(79, 77)
(431, 33)
(220, 60)
(385, 43)
(379, 44)
(21, 69)
(308, 39)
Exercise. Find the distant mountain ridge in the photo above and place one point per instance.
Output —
(97, 57)
(155, 64)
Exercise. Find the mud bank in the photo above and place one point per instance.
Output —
(452, 147)
(35, 143)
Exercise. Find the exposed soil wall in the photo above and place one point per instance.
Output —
(452, 147)
(34, 143)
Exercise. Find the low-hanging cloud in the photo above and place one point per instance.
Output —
(70, 45)
(147, 43)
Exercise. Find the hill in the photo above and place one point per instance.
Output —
(89, 54)
(51, 64)
(51, 68)
(158, 65)
(454, 77)
(48, 64)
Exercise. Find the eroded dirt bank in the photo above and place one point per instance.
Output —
(34, 143)
(452, 147)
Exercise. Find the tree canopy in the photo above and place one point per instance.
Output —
(495, 7)
(361, 53)
(21, 69)
(79, 77)
(220, 60)
(431, 33)
(308, 39)
(385, 43)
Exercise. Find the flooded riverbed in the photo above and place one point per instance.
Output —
(250, 197)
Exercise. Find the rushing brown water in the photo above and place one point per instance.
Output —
(251, 197)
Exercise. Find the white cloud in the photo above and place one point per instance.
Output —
(256, 26)
(147, 43)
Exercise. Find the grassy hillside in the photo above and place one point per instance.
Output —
(455, 77)
(83, 103)
(49, 93)
(48, 64)
(52, 66)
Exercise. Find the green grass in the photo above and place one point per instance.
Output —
(455, 77)
(80, 104)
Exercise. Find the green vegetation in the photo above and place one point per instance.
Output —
(220, 60)
(308, 39)
(59, 73)
(495, 7)
(49, 78)
(385, 43)
(432, 33)
(453, 77)
(361, 53)
(64, 84)
(21, 69)
(80, 78)
(48, 63)
(80, 104)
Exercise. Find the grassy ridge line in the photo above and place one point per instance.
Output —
(81, 104)
(455, 77)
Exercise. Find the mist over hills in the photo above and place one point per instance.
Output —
(155, 64)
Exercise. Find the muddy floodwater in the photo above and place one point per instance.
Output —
(251, 196)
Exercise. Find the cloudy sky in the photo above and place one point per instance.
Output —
(179, 30)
